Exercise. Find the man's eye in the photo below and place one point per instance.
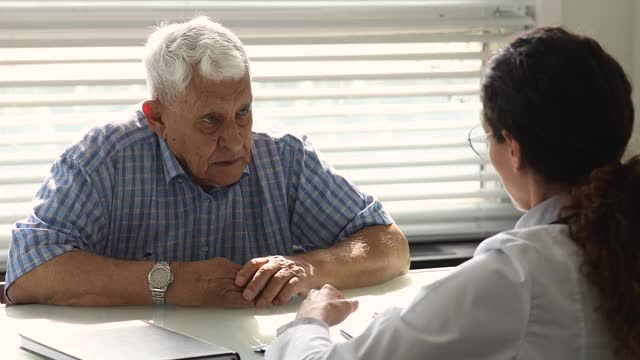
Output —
(242, 116)
(210, 120)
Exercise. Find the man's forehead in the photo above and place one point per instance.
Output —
(206, 91)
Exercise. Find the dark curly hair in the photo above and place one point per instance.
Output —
(606, 226)
(568, 104)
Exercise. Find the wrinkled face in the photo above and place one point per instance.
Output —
(208, 129)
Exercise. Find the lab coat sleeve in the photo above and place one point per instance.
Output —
(479, 311)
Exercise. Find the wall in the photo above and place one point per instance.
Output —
(615, 24)
(636, 139)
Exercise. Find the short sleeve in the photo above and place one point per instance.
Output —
(67, 215)
(325, 206)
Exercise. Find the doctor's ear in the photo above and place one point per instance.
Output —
(153, 112)
(515, 152)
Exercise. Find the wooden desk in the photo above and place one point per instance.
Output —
(238, 330)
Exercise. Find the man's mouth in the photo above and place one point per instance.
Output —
(227, 163)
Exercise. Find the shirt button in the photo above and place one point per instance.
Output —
(180, 181)
(205, 248)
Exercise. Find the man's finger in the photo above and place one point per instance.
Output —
(249, 269)
(260, 280)
(273, 288)
(293, 287)
(236, 300)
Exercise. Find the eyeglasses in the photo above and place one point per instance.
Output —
(479, 141)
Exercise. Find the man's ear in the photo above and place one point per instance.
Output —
(515, 152)
(153, 111)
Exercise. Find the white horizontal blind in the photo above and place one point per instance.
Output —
(387, 90)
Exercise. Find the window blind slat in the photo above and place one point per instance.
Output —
(38, 175)
(433, 144)
(478, 212)
(48, 119)
(395, 126)
(288, 20)
(11, 212)
(17, 194)
(105, 60)
(367, 164)
(71, 119)
(45, 138)
(260, 95)
(304, 94)
(295, 112)
(373, 109)
(35, 40)
(5, 230)
(34, 159)
(39, 139)
(91, 79)
(23, 178)
(440, 232)
(416, 179)
(427, 195)
(27, 195)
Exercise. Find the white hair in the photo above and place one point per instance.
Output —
(173, 50)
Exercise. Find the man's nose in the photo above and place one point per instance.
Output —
(230, 136)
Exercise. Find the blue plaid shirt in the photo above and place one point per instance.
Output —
(120, 192)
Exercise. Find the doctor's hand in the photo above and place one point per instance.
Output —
(327, 304)
(273, 280)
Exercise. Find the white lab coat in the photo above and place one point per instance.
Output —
(520, 297)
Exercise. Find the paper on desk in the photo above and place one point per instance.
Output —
(370, 307)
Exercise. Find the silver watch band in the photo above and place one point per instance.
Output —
(157, 296)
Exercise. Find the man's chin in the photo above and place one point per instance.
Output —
(220, 181)
(218, 176)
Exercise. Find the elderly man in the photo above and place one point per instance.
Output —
(182, 203)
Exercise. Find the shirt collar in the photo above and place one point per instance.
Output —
(172, 167)
(544, 213)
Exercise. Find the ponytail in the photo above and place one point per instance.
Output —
(606, 226)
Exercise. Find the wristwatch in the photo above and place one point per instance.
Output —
(159, 277)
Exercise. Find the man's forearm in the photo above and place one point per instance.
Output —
(370, 256)
(81, 278)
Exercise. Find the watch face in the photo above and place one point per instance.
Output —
(159, 278)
